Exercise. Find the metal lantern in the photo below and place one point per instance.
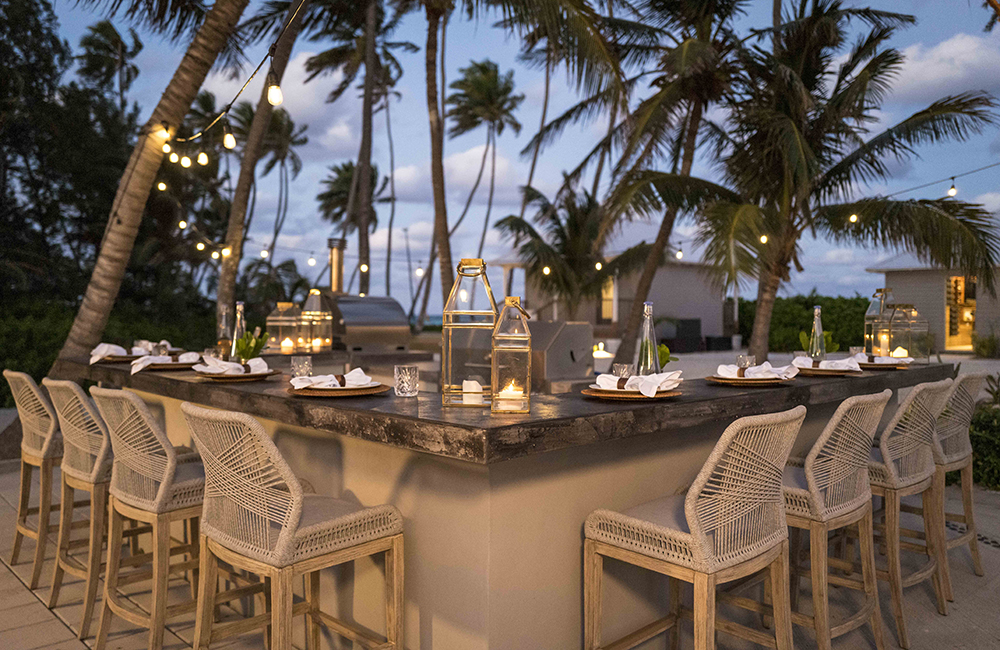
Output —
(466, 338)
(316, 333)
(876, 308)
(510, 378)
(901, 332)
(283, 327)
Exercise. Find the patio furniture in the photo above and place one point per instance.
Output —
(902, 465)
(829, 490)
(729, 525)
(256, 518)
(152, 483)
(41, 447)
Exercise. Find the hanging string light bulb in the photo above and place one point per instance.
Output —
(274, 96)
(546, 270)
(182, 224)
(763, 239)
(166, 147)
(853, 218)
(161, 186)
(202, 158)
(185, 162)
(263, 253)
(419, 272)
(174, 157)
(952, 191)
(200, 246)
(226, 252)
(312, 260)
(164, 131)
(598, 266)
(215, 255)
(680, 253)
(364, 268)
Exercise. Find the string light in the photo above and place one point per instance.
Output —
(598, 266)
(166, 147)
(763, 239)
(164, 132)
(361, 294)
(312, 260)
(215, 255)
(853, 218)
(364, 268)
(200, 246)
(263, 254)
(185, 162)
(161, 186)
(679, 254)
(274, 96)
(226, 252)
(952, 191)
(182, 224)
(174, 157)
(202, 158)
(546, 271)
(228, 139)
(419, 272)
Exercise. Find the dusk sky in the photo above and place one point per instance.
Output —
(947, 52)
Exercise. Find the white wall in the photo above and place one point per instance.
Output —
(925, 290)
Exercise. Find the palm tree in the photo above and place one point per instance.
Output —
(279, 149)
(569, 238)
(130, 200)
(484, 97)
(108, 59)
(386, 95)
(334, 199)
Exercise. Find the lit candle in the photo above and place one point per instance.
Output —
(287, 346)
(472, 392)
(317, 345)
(884, 348)
(509, 399)
(900, 353)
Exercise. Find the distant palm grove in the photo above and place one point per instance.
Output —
(98, 221)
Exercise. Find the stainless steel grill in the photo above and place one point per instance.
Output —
(561, 355)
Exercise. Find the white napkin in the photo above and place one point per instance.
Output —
(139, 364)
(645, 384)
(356, 377)
(215, 366)
(763, 371)
(106, 350)
(863, 358)
(840, 364)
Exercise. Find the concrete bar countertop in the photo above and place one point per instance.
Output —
(477, 436)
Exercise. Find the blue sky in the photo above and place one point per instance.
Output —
(947, 52)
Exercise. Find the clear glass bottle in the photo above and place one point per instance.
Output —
(817, 344)
(466, 339)
(647, 361)
(239, 329)
(511, 372)
(876, 307)
(224, 331)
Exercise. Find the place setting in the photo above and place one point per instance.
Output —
(812, 367)
(746, 374)
(351, 384)
(622, 385)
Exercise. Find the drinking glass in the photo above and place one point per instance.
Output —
(857, 349)
(621, 370)
(160, 350)
(302, 366)
(210, 352)
(746, 361)
(407, 380)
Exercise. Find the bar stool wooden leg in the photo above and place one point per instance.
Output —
(782, 611)
(206, 595)
(942, 546)
(704, 611)
(675, 609)
(98, 512)
(818, 553)
(44, 510)
(281, 609)
(111, 573)
(593, 570)
(22, 510)
(970, 517)
(312, 616)
(936, 548)
(161, 567)
(895, 569)
(62, 543)
(870, 578)
(393, 594)
(794, 565)
(194, 535)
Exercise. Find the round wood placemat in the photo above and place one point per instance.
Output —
(228, 379)
(884, 366)
(618, 396)
(342, 392)
(747, 383)
(115, 358)
(171, 366)
(825, 372)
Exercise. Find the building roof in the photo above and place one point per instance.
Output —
(901, 262)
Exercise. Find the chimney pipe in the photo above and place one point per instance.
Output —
(337, 246)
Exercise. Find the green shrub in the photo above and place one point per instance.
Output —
(987, 347)
(985, 435)
(843, 317)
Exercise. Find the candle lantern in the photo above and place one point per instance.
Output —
(906, 334)
(510, 378)
(876, 308)
(283, 327)
(316, 333)
(465, 338)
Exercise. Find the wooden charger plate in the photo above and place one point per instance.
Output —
(381, 389)
(884, 366)
(171, 366)
(227, 379)
(747, 383)
(825, 372)
(627, 396)
(115, 358)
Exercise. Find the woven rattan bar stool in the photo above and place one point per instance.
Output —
(829, 490)
(731, 524)
(41, 447)
(903, 465)
(256, 518)
(154, 484)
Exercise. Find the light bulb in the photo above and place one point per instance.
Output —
(546, 271)
(274, 96)
(200, 246)
(226, 252)
(202, 158)
(853, 218)
(952, 191)
(263, 254)
(419, 272)
(161, 186)
(164, 132)
(679, 254)
(763, 239)
(463, 295)
(185, 162)
(361, 294)
(598, 266)
(312, 261)
(166, 147)
(174, 157)
(215, 255)
(182, 224)
(228, 140)
(364, 268)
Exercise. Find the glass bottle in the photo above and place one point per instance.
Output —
(511, 372)
(466, 339)
(239, 329)
(817, 344)
(224, 331)
(647, 355)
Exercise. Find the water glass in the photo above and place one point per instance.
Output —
(302, 366)
(210, 353)
(857, 349)
(407, 380)
(621, 370)
(746, 361)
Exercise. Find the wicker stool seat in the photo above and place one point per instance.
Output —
(729, 525)
(826, 491)
(153, 484)
(41, 447)
(257, 518)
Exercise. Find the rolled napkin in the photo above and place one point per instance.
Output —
(849, 364)
(763, 371)
(863, 358)
(356, 378)
(215, 366)
(148, 360)
(648, 385)
(106, 350)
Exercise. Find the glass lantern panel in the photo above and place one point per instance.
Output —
(466, 338)
(316, 334)
(511, 366)
(283, 326)
(899, 331)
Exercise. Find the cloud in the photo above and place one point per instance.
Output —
(989, 200)
(953, 66)
(413, 182)
(839, 256)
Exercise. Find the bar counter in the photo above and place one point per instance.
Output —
(494, 505)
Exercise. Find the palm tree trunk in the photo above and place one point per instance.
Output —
(995, 4)
(475, 186)
(364, 169)
(392, 194)
(776, 20)
(428, 282)
(437, 153)
(626, 349)
(767, 292)
(133, 190)
(606, 152)
(239, 218)
(489, 200)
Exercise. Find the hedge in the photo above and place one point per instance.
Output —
(843, 317)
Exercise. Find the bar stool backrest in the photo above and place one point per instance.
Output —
(907, 442)
(735, 508)
(837, 465)
(86, 445)
(38, 419)
(143, 471)
(952, 442)
(253, 501)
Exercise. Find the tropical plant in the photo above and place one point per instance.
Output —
(334, 199)
(107, 59)
(568, 238)
(828, 343)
